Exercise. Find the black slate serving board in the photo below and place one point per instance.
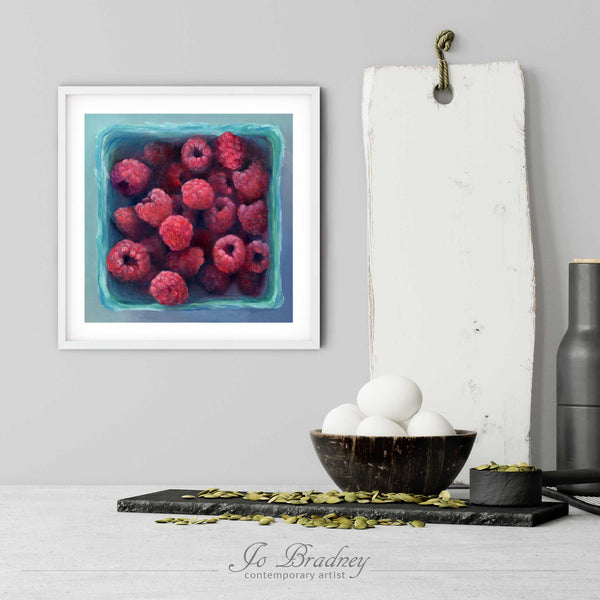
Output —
(171, 502)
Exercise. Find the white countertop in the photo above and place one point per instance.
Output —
(60, 542)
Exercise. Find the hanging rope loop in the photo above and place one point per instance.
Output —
(442, 44)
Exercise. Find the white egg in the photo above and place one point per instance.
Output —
(390, 396)
(379, 426)
(404, 424)
(342, 420)
(353, 407)
(428, 422)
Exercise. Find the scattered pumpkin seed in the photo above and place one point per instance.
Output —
(332, 520)
(335, 497)
(252, 496)
(416, 523)
(429, 502)
(512, 468)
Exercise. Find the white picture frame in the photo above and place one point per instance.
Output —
(75, 330)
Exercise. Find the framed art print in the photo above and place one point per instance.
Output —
(188, 217)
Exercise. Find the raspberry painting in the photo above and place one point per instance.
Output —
(190, 219)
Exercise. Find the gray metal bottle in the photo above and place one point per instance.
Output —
(578, 378)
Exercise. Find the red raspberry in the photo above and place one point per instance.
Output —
(213, 280)
(157, 154)
(176, 232)
(130, 176)
(155, 208)
(257, 256)
(253, 217)
(230, 151)
(204, 239)
(185, 262)
(250, 283)
(169, 288)
(229, 254)
(128, 261)
(221, 216)
(196, 155)
(252, 183)
(129, 224)
(173, 177)
(197, 194)
(156, 249)
(221, 183)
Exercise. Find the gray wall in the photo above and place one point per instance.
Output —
(210, 417)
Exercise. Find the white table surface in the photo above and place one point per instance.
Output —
(59, 542)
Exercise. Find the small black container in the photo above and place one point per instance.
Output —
(502, 488)
(578, 378)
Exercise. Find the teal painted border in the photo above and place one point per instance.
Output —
(113, 136)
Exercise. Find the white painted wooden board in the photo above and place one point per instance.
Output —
(451, 273)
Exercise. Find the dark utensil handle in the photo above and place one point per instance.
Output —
(552, 478)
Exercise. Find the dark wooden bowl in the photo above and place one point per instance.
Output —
(418, 465)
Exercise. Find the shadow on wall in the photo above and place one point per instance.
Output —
(547, 272)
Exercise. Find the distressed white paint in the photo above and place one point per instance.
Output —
(452, 291)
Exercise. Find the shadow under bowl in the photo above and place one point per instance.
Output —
(417, 465)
